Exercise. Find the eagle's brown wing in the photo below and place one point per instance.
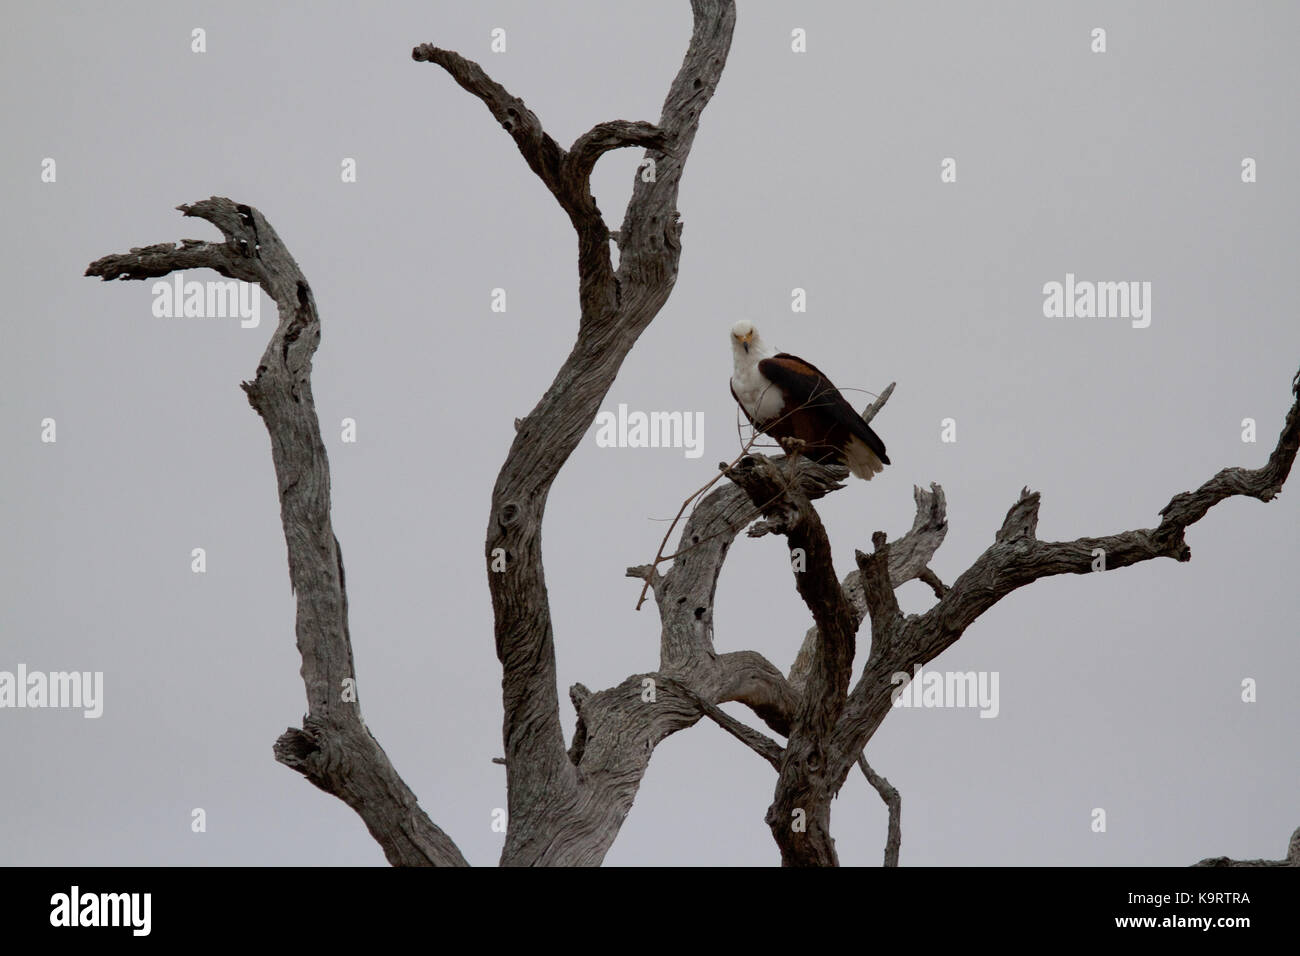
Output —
(812, 399)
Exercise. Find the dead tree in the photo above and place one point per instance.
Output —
(567, 803)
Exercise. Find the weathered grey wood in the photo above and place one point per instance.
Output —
(821, 751)
(1292, 857)
(1017, 558)
(909, 559)
(333, 749)
(761, 744)
(894, 803)
(559, 812)
(799, 816)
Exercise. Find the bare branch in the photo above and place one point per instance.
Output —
(929, 577)
(543, 154)
(556, 814)
(652, 574)
(878, 589)
(1292, 857)
(764, 746)
(749, 678)
(895, 804)
(620, 727)
(803, 793)
(647, 573)
(566, 175)
(1017, 558)
(912, 553)
(909, 557)
(600, 139)
(159, 260)
(578, 696)
(872, 410)
(650, 236)
(334, 749)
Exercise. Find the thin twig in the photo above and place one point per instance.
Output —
(894, 801)
(929, 577)
(874, 408)
(659, 555)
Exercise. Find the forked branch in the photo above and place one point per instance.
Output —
(566, 804)
(333, 749)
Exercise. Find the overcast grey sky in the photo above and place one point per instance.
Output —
(818, 171)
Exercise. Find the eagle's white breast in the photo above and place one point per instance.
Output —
(760, 398)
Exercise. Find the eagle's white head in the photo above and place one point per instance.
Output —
(746, 344)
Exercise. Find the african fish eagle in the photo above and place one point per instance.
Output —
(786, 397)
